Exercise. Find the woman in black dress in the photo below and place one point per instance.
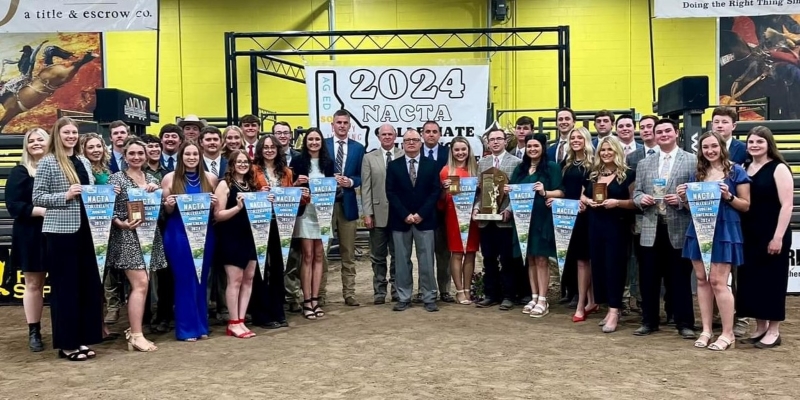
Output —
(76, 299)
(767, 240)
(576, 168)
(236, 249)
(27, 242)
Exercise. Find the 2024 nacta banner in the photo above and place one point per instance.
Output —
(31, 16)
(723, 8)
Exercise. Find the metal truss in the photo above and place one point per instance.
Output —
(375, 42)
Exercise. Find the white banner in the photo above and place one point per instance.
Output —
(793, 286)
(454, 96)
(724, 8)
(27, 16)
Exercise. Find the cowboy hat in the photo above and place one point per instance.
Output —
(192, 119)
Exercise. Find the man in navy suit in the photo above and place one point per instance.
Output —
(603, 123)
(347, 156)
(723, 121)
(171, 136)
(565, 122)
(522, 128)
(432, 150)
(119, 132)
(211, 141)
(625, 131)
(413, 188)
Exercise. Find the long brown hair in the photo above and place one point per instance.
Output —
(772, 147)
(703, 165)
(179, 177)
(230, 172)
(56, 148)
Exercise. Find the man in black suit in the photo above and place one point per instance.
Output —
(412, 187)
(431, 133)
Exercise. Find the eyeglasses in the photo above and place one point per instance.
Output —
(242, 162)
(412, 140)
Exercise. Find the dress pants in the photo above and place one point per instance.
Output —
(442, 250)
(113, 285)
(497, 250)
(424, 242)
(165, 289)
(664, 261)
(291, 277)
(269, 292)
(346, 232)
(381, 245)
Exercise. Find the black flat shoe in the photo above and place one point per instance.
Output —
(284, 324)
(271, 325)
(753, 340)
(764, 346)
(644, 330)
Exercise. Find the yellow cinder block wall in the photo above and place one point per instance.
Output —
(610, 60)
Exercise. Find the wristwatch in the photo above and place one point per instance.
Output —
(731, 199)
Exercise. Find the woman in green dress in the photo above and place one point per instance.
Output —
(545, 176)
(94, 149)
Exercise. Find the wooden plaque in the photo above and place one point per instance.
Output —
(599, 192)
(135, 211)
(455, 184)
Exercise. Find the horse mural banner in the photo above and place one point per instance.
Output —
(18, 16)
(43, 73)
(759, 64)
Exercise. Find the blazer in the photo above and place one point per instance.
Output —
(27, 229)
(552, 151)
(737, 152)
(49, 191)
(596, 139)
(294, 154)
(223, 164)
(112, 162)
(678, 218)
(300, 166)
(352, 170)
(507, 164)
(405, 198)
(373, 185)
(442, 155)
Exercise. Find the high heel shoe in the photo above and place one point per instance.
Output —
(308, 312)
(608, 329)
(466, 300)
(576, 318)
(133, 346)
(317, 309)
(244, 335)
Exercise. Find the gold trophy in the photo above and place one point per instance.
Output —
(492, 182)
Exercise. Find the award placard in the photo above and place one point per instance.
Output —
(522, 197)
(259, 212)
(194, 211)
(284, 206)
(323, 196)
(659, 188)
(463, 201)
(136, 211)
(455, 184)
(599, 192)
(565, 213)
(492, 183)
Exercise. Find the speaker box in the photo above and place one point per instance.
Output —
(687, 93)
(499, 10)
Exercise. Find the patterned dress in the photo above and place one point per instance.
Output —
(124, 251)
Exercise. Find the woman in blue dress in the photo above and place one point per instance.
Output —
(714, 165)
(191, 306)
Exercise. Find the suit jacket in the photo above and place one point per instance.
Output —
(405, 198)
(636, 147)
(49, 191)
(442, 155)
(293, 153)
(596, 139)
(373, 185)
(737, 152)
(507, 164)
(352, 170)
(552, 151)
(27, 229)
(113, 166)
(223, 164)
(678, 218)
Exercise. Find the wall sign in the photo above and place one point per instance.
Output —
(405, 97)
(724, 8)
(26, 16)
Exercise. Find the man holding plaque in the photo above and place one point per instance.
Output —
(497, 235)
(664, 225)
(413, 188)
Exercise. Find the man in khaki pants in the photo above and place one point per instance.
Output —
(347, 156)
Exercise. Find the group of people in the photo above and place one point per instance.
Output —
(406, 201)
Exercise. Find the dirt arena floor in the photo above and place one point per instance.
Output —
(370, 352)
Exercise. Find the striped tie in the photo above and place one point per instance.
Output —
(412, 171)
(340, 156)
(214, 168)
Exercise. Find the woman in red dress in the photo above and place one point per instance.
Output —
(461, 163)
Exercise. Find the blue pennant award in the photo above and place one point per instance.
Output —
(259, 212)
(146, 231)
(521, 197)
(703, 198)
(194, 209)
(323, 195)
(565, 212)
(463, 202)
(98, 200)
(285, 205)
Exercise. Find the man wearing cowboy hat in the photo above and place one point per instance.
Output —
(191, 126)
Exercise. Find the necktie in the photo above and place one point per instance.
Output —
(627, 150)
(430, 154)
(412, 171)
(497, 162)
(340, 156)
(388, 157)
(664, 174)
(170, 164)
(651, 152)
(519, 153)
(214, 167)
(561, 150)
(250, 151)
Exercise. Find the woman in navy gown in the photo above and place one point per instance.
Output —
(191, 305)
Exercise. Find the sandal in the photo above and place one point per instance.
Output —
(466, 301)
(531, 304)
(539, 310)
(76, 355)
(700, 343)
(244, 335)
(317, 309)
(727, 344)
(132, 345)
(87, 351)
(308, 312)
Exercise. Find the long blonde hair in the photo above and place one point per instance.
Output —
(179, 176)
(619, 159)
(225, 151)
(472, 165)
(27, 161)
(100, 166)
(588, 149)
(56, 148)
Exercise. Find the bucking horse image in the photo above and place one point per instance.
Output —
(27, 90)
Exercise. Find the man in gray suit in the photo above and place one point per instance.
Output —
(376, 211)
(664, 224)
(497, 236)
